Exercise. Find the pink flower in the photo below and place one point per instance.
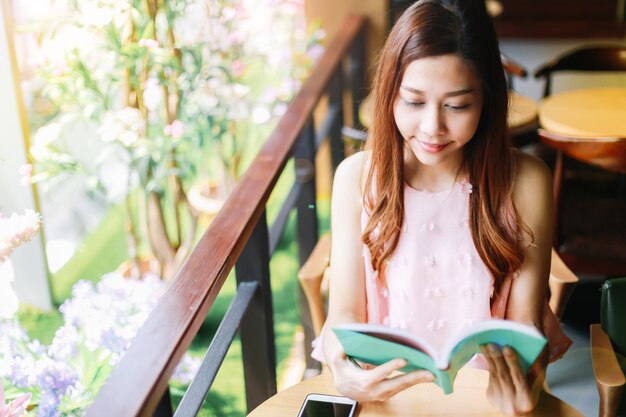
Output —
(175, 129)
(149, 43)
(26, 171)
(315, 52)
(15, 408)
(238, 68)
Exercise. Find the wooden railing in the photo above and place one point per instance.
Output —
(239, 235)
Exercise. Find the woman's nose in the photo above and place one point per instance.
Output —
(432, 123)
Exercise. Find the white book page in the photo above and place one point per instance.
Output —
(488, 325)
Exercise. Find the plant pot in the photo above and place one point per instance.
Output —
(206, 199)
(138, 268)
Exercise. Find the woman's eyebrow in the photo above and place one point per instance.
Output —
(460, 92)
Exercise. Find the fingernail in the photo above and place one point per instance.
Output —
(400, 363)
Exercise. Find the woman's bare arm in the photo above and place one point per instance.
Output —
(347, 301)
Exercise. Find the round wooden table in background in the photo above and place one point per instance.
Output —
(522, 113)
(468, 399)
(587, 124)
(589, 112)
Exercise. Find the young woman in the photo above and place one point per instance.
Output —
(440, 223)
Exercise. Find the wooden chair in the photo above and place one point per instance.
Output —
(598, 58)
(590, 232)
(590, 219)
(512, 69)
(313, 277)
(608, 347)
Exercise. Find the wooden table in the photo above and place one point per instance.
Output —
(522, 112)
(589, 112)
(588, 125)
(467, 400)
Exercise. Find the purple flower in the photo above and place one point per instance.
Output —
(187, 369)
(56, 377)
(48, 405)
(64, 344)
(23, 371)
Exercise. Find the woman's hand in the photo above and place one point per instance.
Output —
(510, 390)
(375, 384)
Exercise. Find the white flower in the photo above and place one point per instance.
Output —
(124, 126)
(152, 94)
(96, 15)
(191, 28)
(148, 43)
(261, 115)
(43, 138)
(175, 129)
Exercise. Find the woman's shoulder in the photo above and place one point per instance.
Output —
(352, 168)
(532, 183)
(529, 171)
(349, 180)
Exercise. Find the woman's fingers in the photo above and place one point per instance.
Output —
(383, 371)
(515, 371)
(501, 367)
(393, 385)
(508, 388)
(379, 383)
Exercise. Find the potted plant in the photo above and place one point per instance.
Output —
(150, 97)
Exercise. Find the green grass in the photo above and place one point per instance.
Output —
(100, 252)
(105, 248)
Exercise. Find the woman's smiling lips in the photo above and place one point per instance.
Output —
(432, 147)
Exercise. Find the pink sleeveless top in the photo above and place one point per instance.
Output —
(437, 283)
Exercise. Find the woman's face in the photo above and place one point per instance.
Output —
(438, 107)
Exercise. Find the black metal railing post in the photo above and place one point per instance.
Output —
(335, 101)
(257, 327)
(356, 74)
(307, 228)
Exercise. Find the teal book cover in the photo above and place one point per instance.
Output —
(376, 344)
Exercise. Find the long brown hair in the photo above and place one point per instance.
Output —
(432, 28)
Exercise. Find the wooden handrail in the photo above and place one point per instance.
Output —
(141, 377)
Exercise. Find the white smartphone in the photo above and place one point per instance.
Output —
(322, 405)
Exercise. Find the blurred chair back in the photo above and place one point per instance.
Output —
(512, 69)
(605, 58)
(608, 347)
(605, 153)
(589, 202)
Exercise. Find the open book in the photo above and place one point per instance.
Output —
(377, 344)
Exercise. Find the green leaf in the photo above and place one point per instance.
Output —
(148, 31)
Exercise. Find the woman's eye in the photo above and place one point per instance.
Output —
(457, 108)
(409, 103)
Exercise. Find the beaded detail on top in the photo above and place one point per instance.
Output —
(436, 283)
